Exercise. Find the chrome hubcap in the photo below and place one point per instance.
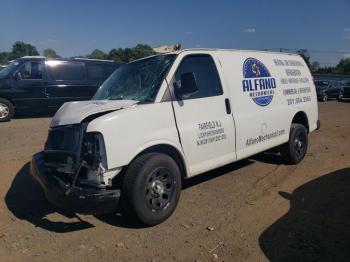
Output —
(4, 110)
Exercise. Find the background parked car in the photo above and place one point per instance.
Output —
(38, 84)
(326, 89)
(345, 92)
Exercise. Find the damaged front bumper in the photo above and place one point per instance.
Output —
(84, 200)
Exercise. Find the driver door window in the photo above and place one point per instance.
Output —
(206, 75)
(32, 70)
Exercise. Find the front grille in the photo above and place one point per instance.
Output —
(62, 149)
(64, 138)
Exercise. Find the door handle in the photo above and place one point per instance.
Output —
(45, 94)
(228, 106)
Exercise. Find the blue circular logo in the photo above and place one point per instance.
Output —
(258, 82)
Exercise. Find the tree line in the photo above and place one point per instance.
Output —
(124, 55)
(342, 68)
(119, 55)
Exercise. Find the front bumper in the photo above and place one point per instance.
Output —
(76, 199)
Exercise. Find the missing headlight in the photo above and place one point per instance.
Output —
(93, 159)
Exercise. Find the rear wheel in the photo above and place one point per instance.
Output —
(7, 110)
(340, 97)
(295, 149)
(324, 97)
(152, 187)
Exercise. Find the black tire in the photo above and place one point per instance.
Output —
(7, 110)
(151, 188)
(324, 98)
(295, 149)
(340, 97)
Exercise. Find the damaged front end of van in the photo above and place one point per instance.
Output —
(72, 169)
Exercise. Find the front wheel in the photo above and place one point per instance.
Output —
(152, 187)
(7, 110)
(295, 149)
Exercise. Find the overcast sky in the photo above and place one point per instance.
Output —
(77, 27)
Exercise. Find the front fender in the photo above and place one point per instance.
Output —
(129, 131)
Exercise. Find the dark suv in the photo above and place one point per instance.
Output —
(345, 92)
(327, 89)
(38, 84)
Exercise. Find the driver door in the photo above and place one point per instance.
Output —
(204, 118)
(30, 86)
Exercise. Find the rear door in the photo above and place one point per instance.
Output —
(30, 86)
(67, 82)
(204, 118)
(333, 89)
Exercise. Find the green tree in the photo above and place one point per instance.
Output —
(98, 54)
(50, 53)
(325, 70)
(5, 57)
(315, 66)
(20, 49)
(125, 55)
(141, 51)
(115, 54)
(343, 67)
(305, 55)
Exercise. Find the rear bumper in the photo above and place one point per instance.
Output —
(75, 199)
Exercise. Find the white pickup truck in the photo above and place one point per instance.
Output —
(165, 118)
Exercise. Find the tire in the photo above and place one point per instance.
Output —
(340, 97)
(7, 110)
(295, 149)
(151, 188)
(324, 98)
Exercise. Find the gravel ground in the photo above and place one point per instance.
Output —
(253, 210)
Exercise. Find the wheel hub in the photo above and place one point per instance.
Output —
(157, 188)
(4, 111)
(298, 143)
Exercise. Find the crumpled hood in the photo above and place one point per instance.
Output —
(74, 112)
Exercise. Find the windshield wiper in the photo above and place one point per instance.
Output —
(116, 98)
(146, 101)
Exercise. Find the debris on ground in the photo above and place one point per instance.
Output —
(210, 228)
(220, 244)
(119, 244)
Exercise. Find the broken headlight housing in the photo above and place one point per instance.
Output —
(75, 156)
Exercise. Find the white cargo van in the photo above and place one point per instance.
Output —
(169, 117)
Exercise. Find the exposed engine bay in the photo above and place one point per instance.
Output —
(78, 158)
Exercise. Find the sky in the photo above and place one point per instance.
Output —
(73, 27)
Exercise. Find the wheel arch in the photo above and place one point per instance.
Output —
(9, 99)
(168, 149)
(301, 118)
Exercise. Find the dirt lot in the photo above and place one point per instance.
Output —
(258, 209)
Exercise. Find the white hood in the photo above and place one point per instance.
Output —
(74, 112)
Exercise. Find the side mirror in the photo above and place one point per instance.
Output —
(17, 76)
(187, 86)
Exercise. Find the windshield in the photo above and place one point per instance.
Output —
(139, 80)
(4, 73)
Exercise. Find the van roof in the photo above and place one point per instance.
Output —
(229, 50)
(90, 59)
(65, 59)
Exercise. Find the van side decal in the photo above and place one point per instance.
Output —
(258, 81)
